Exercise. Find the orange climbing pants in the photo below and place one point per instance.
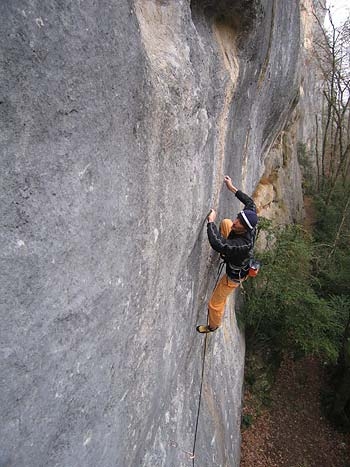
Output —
(223, 289)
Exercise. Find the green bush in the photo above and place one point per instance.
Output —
(281, 306)
(300, 301)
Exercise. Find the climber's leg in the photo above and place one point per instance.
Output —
(218, 299)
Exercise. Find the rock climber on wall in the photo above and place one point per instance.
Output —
(235, 243)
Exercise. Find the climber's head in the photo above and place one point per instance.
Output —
(238, 227)
(246, 221)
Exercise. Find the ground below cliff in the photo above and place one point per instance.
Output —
(293, 432)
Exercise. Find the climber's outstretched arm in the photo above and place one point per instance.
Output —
(245, 199)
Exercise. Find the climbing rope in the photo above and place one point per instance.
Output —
(221, 265)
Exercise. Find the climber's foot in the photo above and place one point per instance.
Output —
(204, 329)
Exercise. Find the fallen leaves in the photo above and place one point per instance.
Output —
(293, 431)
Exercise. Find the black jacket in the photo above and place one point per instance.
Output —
(236, 249)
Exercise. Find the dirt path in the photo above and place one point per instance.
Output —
(294, 432)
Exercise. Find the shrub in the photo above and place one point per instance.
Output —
(281, 305)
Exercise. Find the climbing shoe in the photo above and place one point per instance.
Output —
(204, 329)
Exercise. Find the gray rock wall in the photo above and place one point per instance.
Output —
(119, 120)
(291, 161)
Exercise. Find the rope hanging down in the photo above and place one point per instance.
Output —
(221, 265)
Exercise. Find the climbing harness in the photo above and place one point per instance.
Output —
(239, 271)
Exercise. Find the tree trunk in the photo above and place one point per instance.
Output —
(317, 157)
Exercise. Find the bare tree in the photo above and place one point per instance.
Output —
(332, 52)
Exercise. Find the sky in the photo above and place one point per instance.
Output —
(340, 10)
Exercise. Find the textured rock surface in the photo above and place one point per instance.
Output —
(119, 120)
(278, 193)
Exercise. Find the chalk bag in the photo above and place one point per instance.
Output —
(254, 267)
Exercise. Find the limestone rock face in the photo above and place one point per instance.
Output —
(119, 121)
(293, 154)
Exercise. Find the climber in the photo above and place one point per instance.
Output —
(235, 243)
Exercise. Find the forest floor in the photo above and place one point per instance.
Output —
(292, 431)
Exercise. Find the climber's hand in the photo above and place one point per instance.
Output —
(212, 216)
(228, 183)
